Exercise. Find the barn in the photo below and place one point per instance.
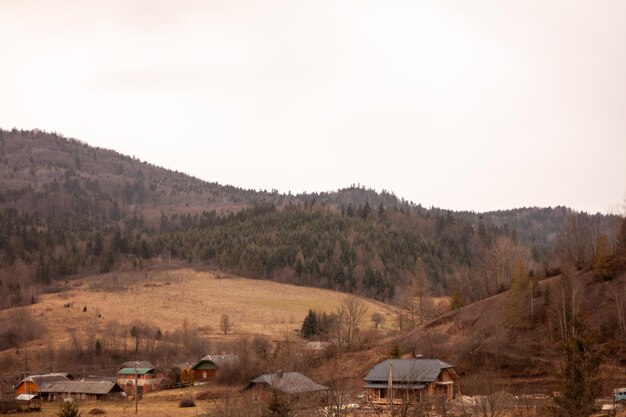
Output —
(86, 390)
(31, 385)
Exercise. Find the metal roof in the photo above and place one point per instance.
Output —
(80, 387)
(408, 370)
(394, 386)
(217, 360)
(40, 379)
(289, 382)
(27, 397)
(131, 371)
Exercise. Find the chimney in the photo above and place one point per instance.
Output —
(280, 373)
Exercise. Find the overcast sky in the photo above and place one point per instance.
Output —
(475, 105)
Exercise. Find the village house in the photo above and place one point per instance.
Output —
(87, 390)
(148, 378)
(294, 385)
(414, 379)
(207, 367)
(31, 384)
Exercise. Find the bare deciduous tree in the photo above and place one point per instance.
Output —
(378, 319)
(489, 396)
(226, 324)
(576, 241)
(354, 309)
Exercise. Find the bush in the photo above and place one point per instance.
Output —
(69, 409)
(187, 402)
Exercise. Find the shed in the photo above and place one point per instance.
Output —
(81, 390)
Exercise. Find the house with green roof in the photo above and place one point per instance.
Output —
(206, 368)
(148, 379)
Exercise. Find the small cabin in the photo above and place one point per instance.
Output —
(207, 367)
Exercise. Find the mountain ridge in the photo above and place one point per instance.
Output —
(69, 209)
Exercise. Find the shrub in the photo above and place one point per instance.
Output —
(187, 402)
(69, 409)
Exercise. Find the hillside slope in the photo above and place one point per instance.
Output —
(485, 334)
(69, 210)
(183, 305)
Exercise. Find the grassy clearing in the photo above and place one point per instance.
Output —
(166, 299)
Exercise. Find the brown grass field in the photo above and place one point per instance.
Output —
(165, 299)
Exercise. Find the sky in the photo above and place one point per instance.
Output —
(465, 105)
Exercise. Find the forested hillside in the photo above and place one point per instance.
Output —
(68, 209)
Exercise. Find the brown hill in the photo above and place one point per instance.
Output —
(484, 334)
(184, 305)
(45, 173)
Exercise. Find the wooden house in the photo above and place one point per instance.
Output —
(415, 379)
(86, 390)
(30, 385)
(148, 379)
(207, 367)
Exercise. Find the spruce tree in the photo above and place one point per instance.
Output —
(309, 325)
(578, 379)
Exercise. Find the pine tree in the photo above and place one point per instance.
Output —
(455, 301)
(394, 353)
(621, 237)
(278, 406)
(518, 296)
(69, 409)
(603, 253)
(578, 379)
(309, 325)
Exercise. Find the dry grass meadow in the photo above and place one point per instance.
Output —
(165, 299)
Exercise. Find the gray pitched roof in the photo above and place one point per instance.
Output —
(288, 382)
(408, 370)
(80, 387)
(225, 358)
(41, 379)
(220, 360)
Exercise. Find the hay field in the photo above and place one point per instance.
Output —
(167, 298)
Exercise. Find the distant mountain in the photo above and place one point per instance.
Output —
(68, 209)
(534, 225)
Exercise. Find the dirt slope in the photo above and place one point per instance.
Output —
(483, 333)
